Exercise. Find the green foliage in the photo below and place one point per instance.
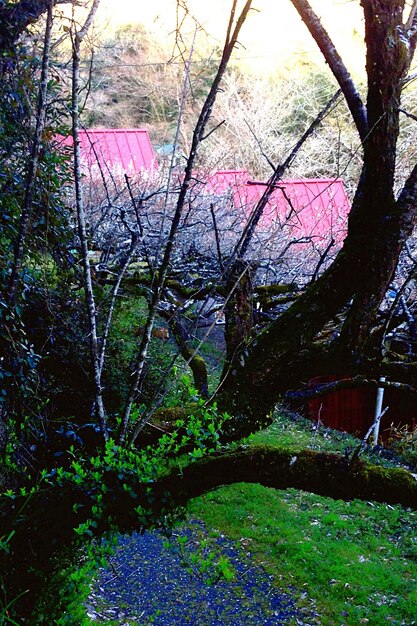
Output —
(294, 433)
(18, 368)
(49, 213)
(113, 475)
(63, 602)
(149, 96)
(6, 604)
(128, 323)
(117, 475)
(199, 434)
(45, 253)
(200, 559)
(354, 562)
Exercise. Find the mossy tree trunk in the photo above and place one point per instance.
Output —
(238, 312)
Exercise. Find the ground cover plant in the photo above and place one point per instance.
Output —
(291, 431)
(356, 560)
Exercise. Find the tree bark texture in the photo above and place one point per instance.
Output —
(188, 353)
(317, 472)
(78, 38)
(15, 17)
(379, 223)
(238, 311)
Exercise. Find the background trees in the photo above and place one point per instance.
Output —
(171, 221)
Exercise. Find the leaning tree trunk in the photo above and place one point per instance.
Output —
(378, 226)
(188, 352)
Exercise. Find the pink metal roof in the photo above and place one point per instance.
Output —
(223, 180)
(116, 149)
(312, 207)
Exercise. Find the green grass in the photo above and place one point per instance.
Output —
(356, 561)
(292, 432)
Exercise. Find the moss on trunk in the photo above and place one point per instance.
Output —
(317, 472)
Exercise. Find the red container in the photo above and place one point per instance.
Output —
(352, 410)
(349, 410)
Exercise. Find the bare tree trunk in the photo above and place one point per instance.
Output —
(78, 37)
(189, 354)
(238, 312)
(388, 61)
(114, 294)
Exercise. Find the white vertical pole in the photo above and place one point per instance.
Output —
(378, 409)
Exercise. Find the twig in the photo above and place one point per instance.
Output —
(358, 451)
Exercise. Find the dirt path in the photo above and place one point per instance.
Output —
(146, 584)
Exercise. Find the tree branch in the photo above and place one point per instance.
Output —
(335, 62)
(17, 16)
(233, 31)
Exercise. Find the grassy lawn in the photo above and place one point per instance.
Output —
(356, 560)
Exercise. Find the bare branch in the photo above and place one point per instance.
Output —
(78, 36)
(408, 114)
(247, 234)
(411, 17)
(346, 383)
(268, 160)
(335, 62)
(216, 233)
(231, 40)
(323, 257)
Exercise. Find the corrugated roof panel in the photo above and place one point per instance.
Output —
(310, 207)
(117, 149)
(224, 180)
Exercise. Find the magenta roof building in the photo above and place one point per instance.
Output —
(315, 208)
(116, 150)
(311, 208)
